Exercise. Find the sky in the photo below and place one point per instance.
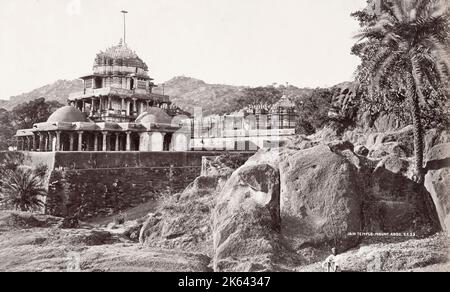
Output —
(239, 42)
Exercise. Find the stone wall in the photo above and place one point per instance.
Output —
(88, 184)
(92, 192)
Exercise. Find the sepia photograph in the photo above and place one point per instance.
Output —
(224, 143)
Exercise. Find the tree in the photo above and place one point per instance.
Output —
(37, 111)
(312, 109)
(22, 188)
(263, 97)
(406, 59)
(7, 130)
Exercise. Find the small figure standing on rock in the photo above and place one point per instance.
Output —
(331, 264)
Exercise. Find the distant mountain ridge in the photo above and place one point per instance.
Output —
(57, 91)
(188, 93)
(185, 92)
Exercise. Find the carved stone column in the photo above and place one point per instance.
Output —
(93, 107)
(34, 142)
(41, 142)
(117, 142)
(128, 107)
(135, 106)
(80, 141)
(105, 136)
(95, 142)
(46, 137)
(58, 141)
(142, 107)
(122, 106)
(72, 141)
(128, 146)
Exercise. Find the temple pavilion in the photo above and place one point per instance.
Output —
(116, 111)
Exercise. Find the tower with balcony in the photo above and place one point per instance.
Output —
(119, 88)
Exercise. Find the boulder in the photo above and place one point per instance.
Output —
(435, 137)
(395, 142)
(183, 222)
(222, 165)
(246, 221)
(320, 198)
(387, 122)
(397, 165)
(340, 145)
(393, 203)
(328, 192)
(390, 148)
(437, 182)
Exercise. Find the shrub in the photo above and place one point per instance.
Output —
(22, 189)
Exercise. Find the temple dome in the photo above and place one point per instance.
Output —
(67, 114)
(154, 115)
(120, 55)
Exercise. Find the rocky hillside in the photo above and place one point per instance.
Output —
(188, 93)
(281, 210)
(185, 92)
(285, 208)
(58, 91)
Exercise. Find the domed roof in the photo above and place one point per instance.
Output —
(67, 114)
(154, 115)
(120, 55)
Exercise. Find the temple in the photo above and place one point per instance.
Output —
(116, 111)
(252, 128)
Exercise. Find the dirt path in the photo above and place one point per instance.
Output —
(130, 214)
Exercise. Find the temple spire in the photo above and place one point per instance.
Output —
(124, 12)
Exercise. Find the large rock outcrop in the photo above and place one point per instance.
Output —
(320, 197)
(247, 222)
(437, 182)
(328, 196)
(183, 221)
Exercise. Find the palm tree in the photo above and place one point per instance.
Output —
(408, 47)
(22, 188)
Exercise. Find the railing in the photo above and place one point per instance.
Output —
(91, 92)
(243, 133)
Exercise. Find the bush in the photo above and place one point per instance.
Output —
(22, 189)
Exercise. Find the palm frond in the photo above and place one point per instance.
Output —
(22, 188)
(421, 7)
(397, 10)
(383, 69)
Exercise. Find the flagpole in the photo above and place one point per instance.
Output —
(124, 26)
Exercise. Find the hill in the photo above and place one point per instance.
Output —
(185, 92)
(58, 91)
(188, 93)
